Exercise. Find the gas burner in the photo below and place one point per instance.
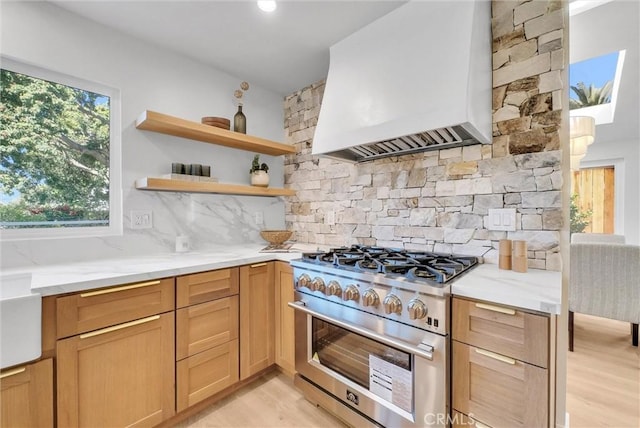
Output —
(413, 265)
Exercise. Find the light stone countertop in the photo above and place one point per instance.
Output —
(72, 277)
(537, 290)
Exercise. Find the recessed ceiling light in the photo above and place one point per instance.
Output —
(267, 5)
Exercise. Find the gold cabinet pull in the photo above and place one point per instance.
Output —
(119, 327)
(494, 308)
(258, 265)
(496, 356)
(12, 372)
(116, 289)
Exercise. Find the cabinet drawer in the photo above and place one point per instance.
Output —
(497, 390)
(517, 334)
(206, 286)
(206, 325)
(96, 309)
(202, 375)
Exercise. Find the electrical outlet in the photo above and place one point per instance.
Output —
(258, 217)
(142, 219)
(502, 219)
(330, 219)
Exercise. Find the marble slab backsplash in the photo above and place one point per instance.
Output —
(208, 220)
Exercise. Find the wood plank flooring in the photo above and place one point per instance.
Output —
(603, 375)
(270, 401)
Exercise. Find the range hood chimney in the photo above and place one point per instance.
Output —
(417, 79)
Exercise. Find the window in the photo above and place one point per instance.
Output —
(59, 155)
(594, 85)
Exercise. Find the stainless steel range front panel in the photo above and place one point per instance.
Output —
(417, 361)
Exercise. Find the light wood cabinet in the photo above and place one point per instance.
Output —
(206, 373)
(206, 325)
(498, 390)
(285, 340)
(26, 397)
(257, 323)
(207, 346)
(508, 331)
(500, 375)
(206, 286)
(122, 375)
(94, 309)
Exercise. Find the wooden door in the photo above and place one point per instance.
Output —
(595, 189)
(257, 326)
(122, 375)
(285, 340)
(26, 399)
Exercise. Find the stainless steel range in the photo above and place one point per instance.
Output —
(372, 333)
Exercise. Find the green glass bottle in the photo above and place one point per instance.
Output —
(240, 121)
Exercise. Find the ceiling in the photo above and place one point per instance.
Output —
(283, 51)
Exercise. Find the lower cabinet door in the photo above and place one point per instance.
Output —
(497, 390)
(285, 318)
(118, 376)
(27, 395)
(202, 375)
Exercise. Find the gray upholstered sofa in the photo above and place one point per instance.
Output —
(604, 280)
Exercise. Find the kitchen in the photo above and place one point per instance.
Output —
(139, 69)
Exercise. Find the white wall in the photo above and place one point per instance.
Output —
(155, 79)
(601, 30)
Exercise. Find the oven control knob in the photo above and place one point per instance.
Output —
(417, 309)
(317, 284)
(351, 293)
(392, 304)
(304, 280)
(334, 289)
(370, 298)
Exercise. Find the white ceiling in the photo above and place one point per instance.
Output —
(283, 51)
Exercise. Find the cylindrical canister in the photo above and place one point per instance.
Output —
(519, 256)
(504, 254)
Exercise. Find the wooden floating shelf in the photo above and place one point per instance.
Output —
(170, 125)
(167, 185)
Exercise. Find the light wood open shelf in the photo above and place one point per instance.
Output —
(167, 185)
(165, 124)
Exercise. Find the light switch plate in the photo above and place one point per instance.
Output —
(502, 219)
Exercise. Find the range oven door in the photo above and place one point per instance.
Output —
(393, 374)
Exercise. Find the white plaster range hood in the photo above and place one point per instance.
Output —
(417, 79)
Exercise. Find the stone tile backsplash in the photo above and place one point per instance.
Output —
(439, 201)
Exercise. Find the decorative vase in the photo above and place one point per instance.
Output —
(240, 121)
(260, 178)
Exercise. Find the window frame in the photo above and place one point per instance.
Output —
(115, 156)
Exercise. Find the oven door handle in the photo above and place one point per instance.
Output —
(424, 353)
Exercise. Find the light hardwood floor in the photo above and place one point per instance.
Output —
(603, 375)
(270, 401)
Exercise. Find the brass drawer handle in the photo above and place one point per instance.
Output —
(496, 356)
(12, 372)
(494, 308)
(258, 265)
(115, 290)
(119, 327)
